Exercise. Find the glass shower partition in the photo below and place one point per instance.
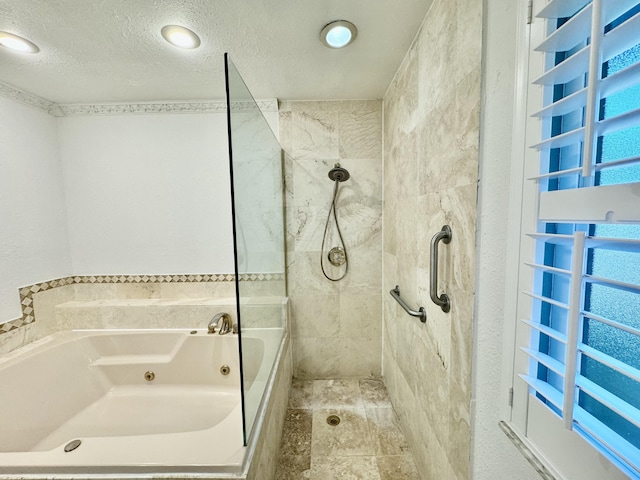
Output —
(256, 166)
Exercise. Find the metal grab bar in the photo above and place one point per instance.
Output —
(421, 312)
(443, 300)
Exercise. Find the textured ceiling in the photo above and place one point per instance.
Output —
(94, 51)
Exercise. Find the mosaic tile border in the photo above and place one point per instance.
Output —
(526, 452)
(27, 292)
(66, 110)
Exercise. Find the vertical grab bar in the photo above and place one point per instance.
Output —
(443, 300)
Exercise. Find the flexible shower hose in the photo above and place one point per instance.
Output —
(324, 236)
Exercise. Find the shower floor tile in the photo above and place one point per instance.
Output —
(367, 443)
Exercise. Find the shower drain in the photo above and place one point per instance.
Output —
(333, 420)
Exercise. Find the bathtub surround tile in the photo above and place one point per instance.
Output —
(39, 301)
(296, 433)
(265, 459)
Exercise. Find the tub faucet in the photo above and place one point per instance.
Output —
(225, 326)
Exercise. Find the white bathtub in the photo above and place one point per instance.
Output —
(90, 385)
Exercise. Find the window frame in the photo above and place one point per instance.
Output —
(564, 452)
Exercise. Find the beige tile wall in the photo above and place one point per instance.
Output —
(431, 132)
(336, 326)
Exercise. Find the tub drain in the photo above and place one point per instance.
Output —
(72, 445)
(333, 420)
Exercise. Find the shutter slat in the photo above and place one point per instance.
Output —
(611, 323)
(549, 362)
(563, 140)
(621, 38)
(620, 80)
(561, 8)
(621, 244)
(570, 34)
(622, 408)
(627, 287)
(548, 331)
(619, 122)
(549, 269)
(617, 163)
(565, 105)
(561, 173)
(609, 361)
(548, 300)
(572, 67)
(544, 389)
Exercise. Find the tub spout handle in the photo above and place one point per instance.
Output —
(224, 319)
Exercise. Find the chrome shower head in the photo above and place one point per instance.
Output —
(338, 173)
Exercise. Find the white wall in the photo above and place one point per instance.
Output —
(34, 244)
(147, 193)
(493, 455)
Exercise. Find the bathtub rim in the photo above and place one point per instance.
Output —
(163, 472)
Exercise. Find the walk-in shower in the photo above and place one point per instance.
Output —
(337, 255)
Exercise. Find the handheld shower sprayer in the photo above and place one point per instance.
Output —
(337, 256)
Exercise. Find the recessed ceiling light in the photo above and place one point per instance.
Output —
(18, 44)
(338, 34)
(180, 37)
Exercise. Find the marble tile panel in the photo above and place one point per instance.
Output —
(17, 338)
(443, 163)
(141, 290)
(365, 272)
(467, 112)
(296, 432)
(385, 432)
(374, 393)
(293, 467)
(311, 187)
(314, 134)
(337, 393)
(95, 291)
(306, 278)
(436, 49)
(401, 101)
(360, 315)
(44, 306)
(305, 227)
(324, 358)
(284, 125)
(344, 468)
(301, 395)
(316, 358)
(432, 388)
(397, 467)
(459, 441)
(468, 36)
(438, 325)
(360, 134)
(199, 289)
(350, 437)
(315, 316)
(462, 339)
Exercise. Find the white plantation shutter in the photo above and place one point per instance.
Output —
(583, 354)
